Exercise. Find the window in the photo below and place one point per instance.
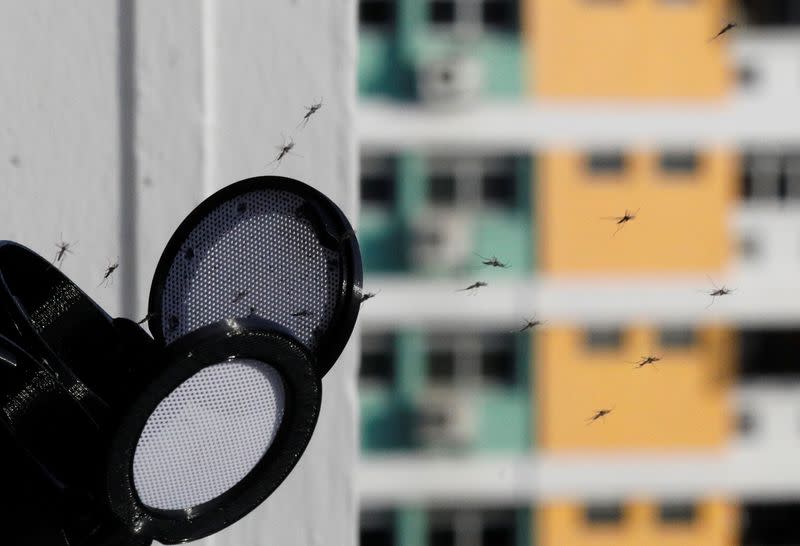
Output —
(771, 12)
(442, 528)
(492, 15)
(378, 182)
(603, 514)
(677, 513)
(762, 176)
(500, 14)
(770, 524)
(441, 365)
(605, 163)
(377, 359)
(498, 362)
(473, 181)
(377, 528)
(442, 11)
(499, 528)
(500, 182)
(599, 339)
(769, 353)
(678, 163)
(442, 189)
(675, 337)
(376, 13)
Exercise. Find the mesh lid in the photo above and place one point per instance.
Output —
(208, 434)
(269, 247)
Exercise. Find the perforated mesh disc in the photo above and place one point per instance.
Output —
(208, 434)
(253, 249)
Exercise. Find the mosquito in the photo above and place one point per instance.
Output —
(239, 296)
(530, 323)
(63, 250)
(283, 150)
(718, 291)
(368, 296)
(473, 286)
(622, 220)
(310, 111)
(147, 317)
(726, 28)
(599, 415)
(107, 275)
(645, 360)
(305, 313)
(493, 261)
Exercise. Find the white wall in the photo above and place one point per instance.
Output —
(116, 122)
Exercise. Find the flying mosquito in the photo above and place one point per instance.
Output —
(473, 286)
(107, 275)
(493, 261)
(63, 250)
(368, 296)
(310, 111)
(717, 292)
(239, 296)
(622, 220)
(283, 150)
(726, 28)
(147, 317)
(529, 324)
(305, 313)
(598, 415)
(645, 360)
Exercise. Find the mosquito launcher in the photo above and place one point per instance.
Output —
(111, 437)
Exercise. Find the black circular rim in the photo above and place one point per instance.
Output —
(254, 338)
(332, 341)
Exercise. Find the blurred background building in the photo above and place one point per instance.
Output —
(515, 129)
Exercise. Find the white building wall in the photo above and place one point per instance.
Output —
(119, 117)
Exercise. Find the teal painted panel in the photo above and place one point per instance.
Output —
(382, 239)
(386, 421)
(503, 424)
(411, 527)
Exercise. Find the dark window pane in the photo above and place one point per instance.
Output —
(762, 176)
(603, 338)
(498, 365)
(442, 537)
(678, 162)
(500, 189)
(377, 528)
(500, 14)
(677, 513)
(377, 189)
(603, 514)
(770, 524)
(676, 337)
(769, 353)
(499, 528)
(442, 189)
(376, 12)
(441, 366)
(771, 12)
(442, 11)
(377, 358)
(606, 162)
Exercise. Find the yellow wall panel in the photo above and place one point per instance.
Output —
(681, 225)
(678, 403)
(626, 49)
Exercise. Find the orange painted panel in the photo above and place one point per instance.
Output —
(681, 225)
(562, 523)
(626, 49)
(681, 402)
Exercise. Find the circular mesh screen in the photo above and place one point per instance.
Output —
(253, 255)
(208, 434)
